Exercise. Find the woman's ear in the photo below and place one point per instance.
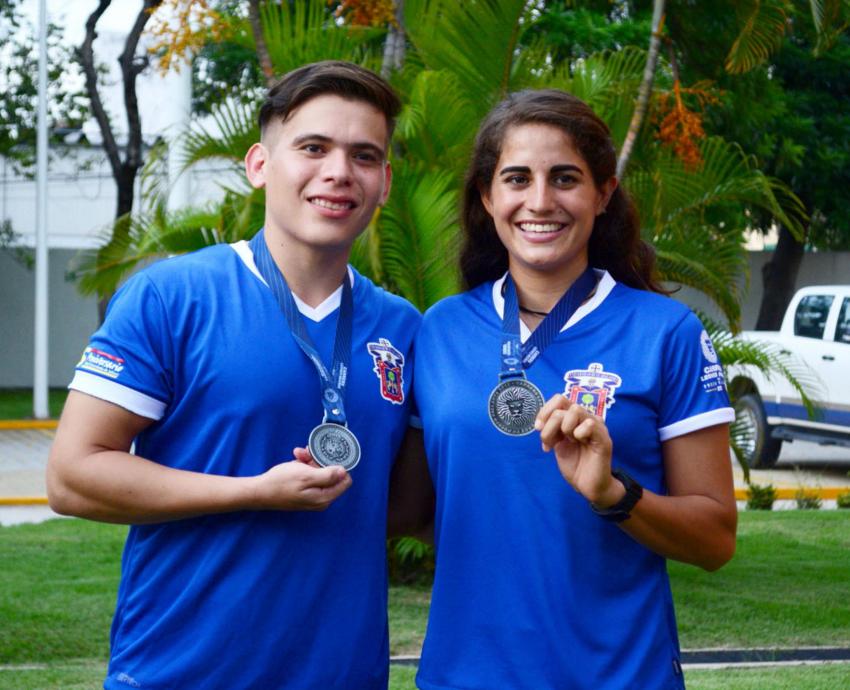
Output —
(486, 199)
(606, 192)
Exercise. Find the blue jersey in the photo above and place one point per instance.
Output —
(266, 599)
(532, 589)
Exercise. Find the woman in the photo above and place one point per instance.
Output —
(553, 523)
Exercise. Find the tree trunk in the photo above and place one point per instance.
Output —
(260, 41)
(645, 89)
(123, 171)
(779, 280)
(394, 47)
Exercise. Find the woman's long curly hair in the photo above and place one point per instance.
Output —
(615, 243)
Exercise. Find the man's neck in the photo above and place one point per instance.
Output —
(312, 275)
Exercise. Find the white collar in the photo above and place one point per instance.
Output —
(603, 287)
(328, 306)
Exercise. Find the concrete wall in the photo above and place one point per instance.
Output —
(817, 268)
(72, 320)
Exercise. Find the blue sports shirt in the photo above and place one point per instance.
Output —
(532, 589)
(266, 599)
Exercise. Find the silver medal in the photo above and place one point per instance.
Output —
(333, 444)
(513, 406)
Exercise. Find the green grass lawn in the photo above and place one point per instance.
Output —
(16, 403)
(786, 586)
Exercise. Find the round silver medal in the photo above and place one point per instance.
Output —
(333, 444)
(514, 405)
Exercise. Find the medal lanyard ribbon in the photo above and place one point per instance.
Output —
(332, 382)
(516, 357)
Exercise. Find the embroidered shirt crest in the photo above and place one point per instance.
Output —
(592, 388)
(389, 366)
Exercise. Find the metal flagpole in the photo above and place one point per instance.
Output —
(40, 407)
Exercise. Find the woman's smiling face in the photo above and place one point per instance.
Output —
(544, 201)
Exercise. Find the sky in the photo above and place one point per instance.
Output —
(72, 15)
(161, 108)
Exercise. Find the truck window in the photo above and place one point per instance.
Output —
(842, 328)
(810, 319)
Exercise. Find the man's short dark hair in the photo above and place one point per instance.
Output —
(329, 77)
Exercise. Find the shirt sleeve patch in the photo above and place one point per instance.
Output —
(711, 378)
(101, 362)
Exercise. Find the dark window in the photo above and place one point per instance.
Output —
(810, 319)
(842, 328)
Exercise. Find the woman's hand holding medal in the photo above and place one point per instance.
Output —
(582, 448)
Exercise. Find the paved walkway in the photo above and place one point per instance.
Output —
(23, 458)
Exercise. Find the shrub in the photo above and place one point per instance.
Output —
(410, 560)
(807, 500)
(843, 500)
(760, 497)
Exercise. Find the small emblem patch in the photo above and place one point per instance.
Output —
(712, 379)
(101, 362)
(592, 388)
(389, 365)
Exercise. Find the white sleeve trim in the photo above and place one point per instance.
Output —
(110, 391)
(723, 415)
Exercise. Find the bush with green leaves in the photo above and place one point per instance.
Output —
(760, 497)
(807, 500)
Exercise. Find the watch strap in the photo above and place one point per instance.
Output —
(621, 510)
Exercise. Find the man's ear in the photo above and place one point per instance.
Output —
(255, 165)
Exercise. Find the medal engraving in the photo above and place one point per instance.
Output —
(333, 444)
(514, 405)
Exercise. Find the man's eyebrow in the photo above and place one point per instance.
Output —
(356, 145)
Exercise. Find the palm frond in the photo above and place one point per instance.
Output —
(438, 123)
(476, 40)
(301, 32)
(670, 193)
(692, 270)
(160, 233)
(607, 82)
(831, 18)
(416, 235)
(771, 360)
(763, 25)
(232, 132)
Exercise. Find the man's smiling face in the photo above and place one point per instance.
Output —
(324, 170)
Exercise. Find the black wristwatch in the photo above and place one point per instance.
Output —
(620, 511)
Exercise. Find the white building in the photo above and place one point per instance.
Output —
(81, 202)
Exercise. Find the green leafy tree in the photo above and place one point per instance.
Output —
(785, 84)
(67, 107)
(464, 57)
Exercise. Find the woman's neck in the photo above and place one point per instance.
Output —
(538, 292)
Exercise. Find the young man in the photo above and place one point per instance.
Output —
(245, 568)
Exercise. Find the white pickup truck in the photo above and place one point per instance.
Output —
(816, 332)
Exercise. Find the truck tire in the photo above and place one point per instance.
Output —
(760, 451)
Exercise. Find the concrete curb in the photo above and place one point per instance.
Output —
(720, 658)
(23, 500)
(788, 493)
(19, 424)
